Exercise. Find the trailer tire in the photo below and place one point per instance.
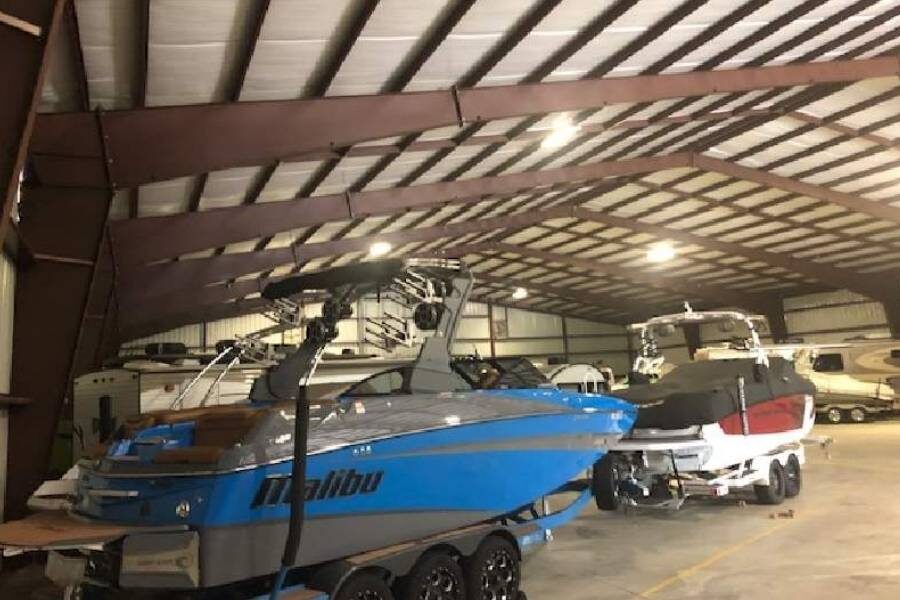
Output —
(366, 584)
(793, 477)
(605, 483)
(857, 415)
(493, 571)
(437, 575)
(834, 416)
(774, 492)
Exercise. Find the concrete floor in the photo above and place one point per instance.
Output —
(843, 542)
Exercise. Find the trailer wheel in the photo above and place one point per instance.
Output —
(793, 477)
(774, 492)
(834, 416)
(365, 585)
(493, 572)
(437, 576)
(605, 483)
(857, 415)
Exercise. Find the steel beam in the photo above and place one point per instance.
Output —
(714, 294)
(139, 287)
(879, 210)
(137, 240)
(204, 314)
(167, 142)
(832, 276)
(63, 228)
(22, 69)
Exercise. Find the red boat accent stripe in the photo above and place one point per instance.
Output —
(783, 413)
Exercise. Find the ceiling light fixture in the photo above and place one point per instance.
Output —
(519, 293)
(660, 253)
(380, 249)
(563, 132)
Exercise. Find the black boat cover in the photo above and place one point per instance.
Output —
(703, 392)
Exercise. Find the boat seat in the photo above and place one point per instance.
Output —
(194, 455)
(225, 429)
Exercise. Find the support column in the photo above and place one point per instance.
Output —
(692, 338)
(60, 305)
(26, 29)
(777, 324)
(493, 338)
(892, 311)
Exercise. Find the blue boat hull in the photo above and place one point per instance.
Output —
(367, 495)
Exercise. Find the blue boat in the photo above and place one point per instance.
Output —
(204, 497)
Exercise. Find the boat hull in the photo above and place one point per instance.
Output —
(359, 497)
(714, 446)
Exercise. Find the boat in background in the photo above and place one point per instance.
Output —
(708, 426)
(206, 497)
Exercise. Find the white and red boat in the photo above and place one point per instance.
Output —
(709, 426)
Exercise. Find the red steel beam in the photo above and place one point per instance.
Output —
(195, 315)
(527, 136)
(139, 287)
(827, 274)
(137, 240)
(31, 27)
(754, 302)
(64, 229)
(879, 210)
(167, 142)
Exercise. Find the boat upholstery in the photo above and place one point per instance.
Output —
(194, 455)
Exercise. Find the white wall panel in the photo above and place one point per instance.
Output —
(593, 345)
(834, 317)
(7, 297)
(473, 328)
(473, 309)
(578, 326)
(524, 323)
(529, 347)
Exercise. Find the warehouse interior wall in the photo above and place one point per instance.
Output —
(831, 317)
(485, 330)
(7, 297)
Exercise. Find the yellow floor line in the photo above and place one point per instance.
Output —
(685, 574)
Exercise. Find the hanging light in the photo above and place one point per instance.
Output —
(661, 252)
(563, 132)
(379, 249)
(519, 293)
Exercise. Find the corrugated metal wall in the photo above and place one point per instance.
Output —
(516, 333)
(834, 317)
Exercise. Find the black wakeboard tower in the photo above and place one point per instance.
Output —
(433, 290)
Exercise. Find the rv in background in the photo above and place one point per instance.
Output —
(856, 380)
